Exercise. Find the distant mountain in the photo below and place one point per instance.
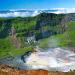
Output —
(28, 13)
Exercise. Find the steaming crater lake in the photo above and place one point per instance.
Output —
(55, 59)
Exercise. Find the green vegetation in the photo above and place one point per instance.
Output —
(14, 51)
(5, 43)
(67, 39)
(51, 30)
(15, 27)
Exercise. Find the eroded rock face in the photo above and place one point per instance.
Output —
(8, 70)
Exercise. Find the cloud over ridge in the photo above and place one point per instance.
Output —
(26, 13)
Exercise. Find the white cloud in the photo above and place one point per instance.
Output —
(64, 10)
(13, 14)
(25, 13)
(19, 13)
(35, 13)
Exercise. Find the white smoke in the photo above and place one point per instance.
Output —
(57, 58)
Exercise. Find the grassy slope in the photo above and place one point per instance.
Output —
(66, 39)
(8, 49)
(6, 46)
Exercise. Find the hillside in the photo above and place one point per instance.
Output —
(19, 35)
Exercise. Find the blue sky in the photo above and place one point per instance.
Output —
(36, 4)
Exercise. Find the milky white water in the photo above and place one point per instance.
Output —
(52, 59)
